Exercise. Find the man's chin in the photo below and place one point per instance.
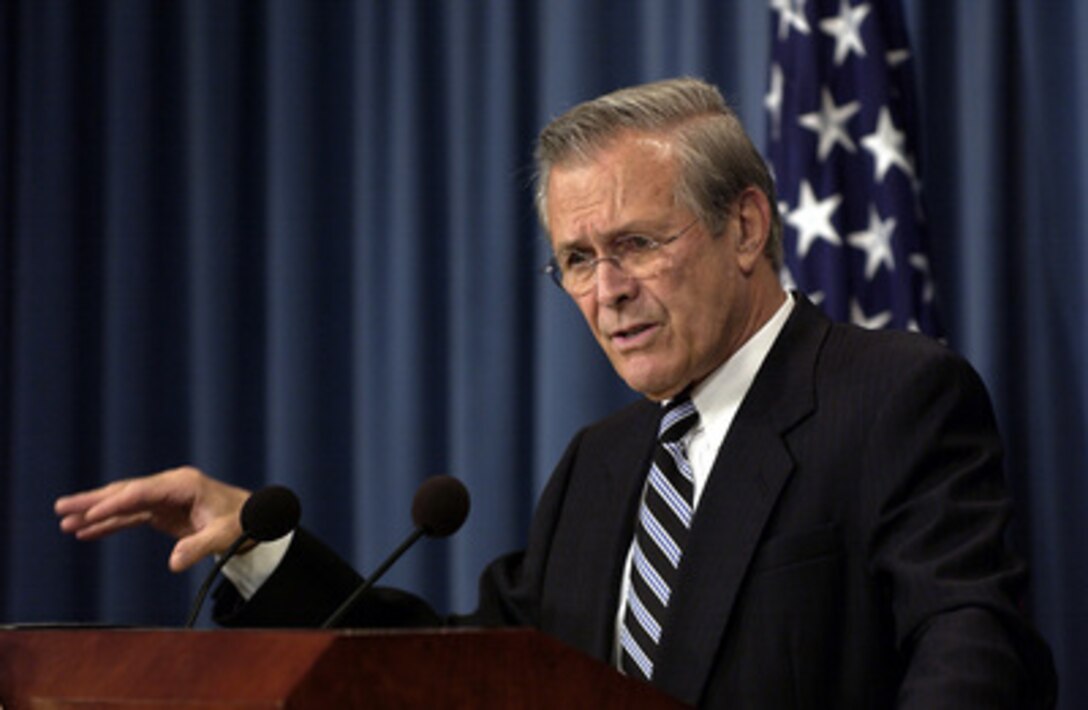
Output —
(651, 384)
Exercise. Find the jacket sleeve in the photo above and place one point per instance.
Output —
(308, 586)
(937, 544)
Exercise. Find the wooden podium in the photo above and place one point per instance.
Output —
(170, 669)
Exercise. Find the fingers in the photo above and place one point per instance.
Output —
(83, 529)
(170, 489)
(163, 500)
(77, 517)
(199, 511)
(79, 503)
(182, 557)
(211, 540)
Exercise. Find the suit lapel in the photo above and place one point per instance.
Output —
(751, 469)
(603, 523)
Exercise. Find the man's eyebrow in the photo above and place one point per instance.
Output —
(641, 226)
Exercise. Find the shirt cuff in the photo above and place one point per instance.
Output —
(249, 571)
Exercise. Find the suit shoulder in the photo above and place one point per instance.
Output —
(890, 350)
(631, 423)
(878, 365)
(623, 419)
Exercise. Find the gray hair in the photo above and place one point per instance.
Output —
(717, 159)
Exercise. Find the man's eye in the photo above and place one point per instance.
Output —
(634, 244)
(574, 260)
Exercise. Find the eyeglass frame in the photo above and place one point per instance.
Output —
(555, 272)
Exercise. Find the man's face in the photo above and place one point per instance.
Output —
(670, 330)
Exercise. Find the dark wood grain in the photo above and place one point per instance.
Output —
(244, 670)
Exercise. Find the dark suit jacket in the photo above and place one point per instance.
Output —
(847, 551)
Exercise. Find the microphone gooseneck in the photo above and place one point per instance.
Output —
(439, 509)
(267, 514)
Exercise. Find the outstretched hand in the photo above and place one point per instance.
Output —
(200, 512)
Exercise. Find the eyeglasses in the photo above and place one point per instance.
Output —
(637, 255)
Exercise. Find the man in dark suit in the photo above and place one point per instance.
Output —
(801, 515)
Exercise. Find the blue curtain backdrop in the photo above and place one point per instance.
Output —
(293, 242)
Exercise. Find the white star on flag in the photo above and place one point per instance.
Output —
(791, 14)
(921, 265)
(812, 219)
(886, 145)
(873, 322)
(830, 123)
(846, 29)
(876, 241)
(773, 101)
(895, 57)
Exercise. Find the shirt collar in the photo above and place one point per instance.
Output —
(721, 393)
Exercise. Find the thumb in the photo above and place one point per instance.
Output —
(190, 549)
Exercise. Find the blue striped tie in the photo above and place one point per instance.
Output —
(664, 519)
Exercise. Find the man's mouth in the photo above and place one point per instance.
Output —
(633, 337)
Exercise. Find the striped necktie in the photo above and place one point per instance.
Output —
(664, 519)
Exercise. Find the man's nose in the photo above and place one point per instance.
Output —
(613, 283)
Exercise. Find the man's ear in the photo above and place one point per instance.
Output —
(753, 214)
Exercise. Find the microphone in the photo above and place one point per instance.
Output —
(270, 513)
(267, 514)
(439, 509)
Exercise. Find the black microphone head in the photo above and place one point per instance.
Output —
(440, 506)
(270, 513)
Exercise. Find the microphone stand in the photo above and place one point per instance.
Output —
(344, 608)
(194, 611)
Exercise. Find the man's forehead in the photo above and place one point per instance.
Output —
(633, 180)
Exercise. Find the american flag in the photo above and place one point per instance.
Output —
(841, 128)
